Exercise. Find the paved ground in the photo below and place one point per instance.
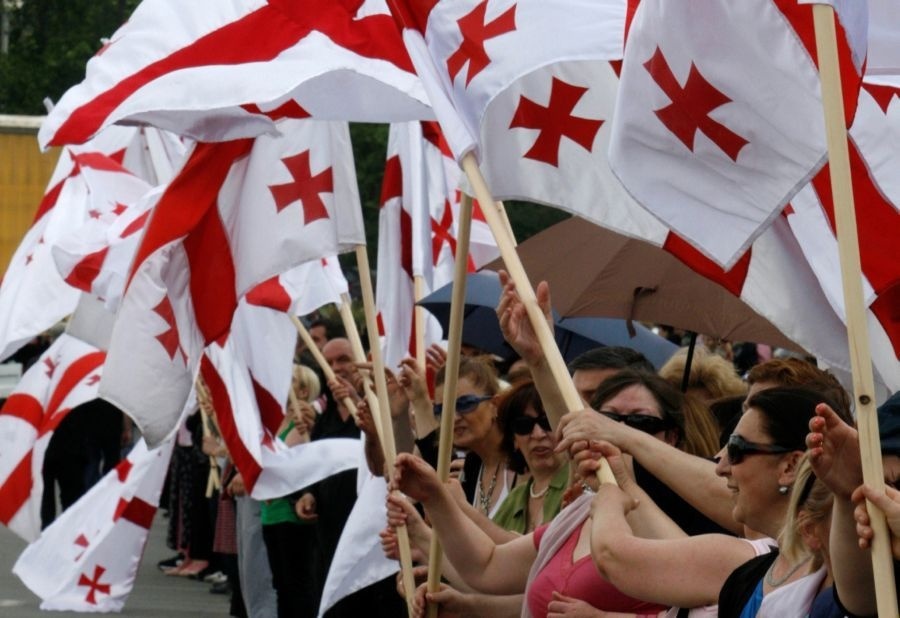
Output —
(154, 594)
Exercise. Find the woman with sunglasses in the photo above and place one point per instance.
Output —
(759, 465)
(552, 565)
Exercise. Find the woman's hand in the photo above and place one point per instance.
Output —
(306, 507)
(451, 602)
(569, 607)
(889, 503)
(414, 477)
(435, 357)
(412, 380)
(514, 322)
(834, 452)
(236, 486)
(587, 461)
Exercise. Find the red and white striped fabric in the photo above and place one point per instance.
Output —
(66, 376)
(248, 376)
(88, 558)
(531, 87)
(33, 296)
(92, 258)
(716, 130)
(303, 289)
(418, 229)
(237, 214)
(188, 68)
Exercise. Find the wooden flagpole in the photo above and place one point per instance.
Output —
(323, 364)
(419, 315)
(213, 481)
(523, 286)
(451, 377)
(359, 356)
(854, 305)
(387, 441)
(292, 399)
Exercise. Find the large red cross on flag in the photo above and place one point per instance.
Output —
(716, 130)
(63, 378)
(216, 232)
(88, 558)
(187, 68)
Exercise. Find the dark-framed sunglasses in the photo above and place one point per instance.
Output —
(464, 404)
(641, 422)
(524, 425)
(738, 448)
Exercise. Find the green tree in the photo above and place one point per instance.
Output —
(48, 45)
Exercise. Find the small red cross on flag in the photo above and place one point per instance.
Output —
(476, 29)
(94, 584)
(305, 188)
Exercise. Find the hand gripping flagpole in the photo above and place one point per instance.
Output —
(451, 377)
(387, 441)
(323, 364)
(857, 333)
(523, 286)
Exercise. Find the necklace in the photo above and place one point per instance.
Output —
(539, 494)
(773, 583)
(484, 499)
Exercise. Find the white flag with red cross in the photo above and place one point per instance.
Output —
(188, 68)
(719, 116)
(33, 295)
(303, 289)
(531, 88)
(88, 558)
(237, 214)
(66, 376)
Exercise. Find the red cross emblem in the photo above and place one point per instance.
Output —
(475, 31)
(93, 213)
(119, 208)
(169, 338)
(93, 380)
(691, 106)
(305, 188)
(51, 366)
(555, 122)
(82, 542)
(94, 585)
(441, 233)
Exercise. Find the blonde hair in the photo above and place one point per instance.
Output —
(306, 377)
(710, 372)
(810, 505)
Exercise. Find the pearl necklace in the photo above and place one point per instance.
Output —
(539, 494)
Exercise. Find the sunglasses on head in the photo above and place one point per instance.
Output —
(524, 425)
(464, 404)
(641, 422)
(738, 448)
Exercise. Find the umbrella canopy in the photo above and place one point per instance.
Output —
(481, 328)
(593, 271)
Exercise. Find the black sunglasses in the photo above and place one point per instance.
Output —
(524, 425)
(641, 422)
(738, 448)
(464, 404)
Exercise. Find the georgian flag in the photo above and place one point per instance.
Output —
(303, 289)
(719, 116)
(530, 87)
(224, 69)
(65, 376)
(88, 558)
(248, 375)
(33, 295)
(237, 214)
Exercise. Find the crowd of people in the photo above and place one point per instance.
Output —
(738, 492)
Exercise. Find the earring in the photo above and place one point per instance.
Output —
(783, 489)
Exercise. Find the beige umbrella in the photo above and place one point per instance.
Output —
(593, 271)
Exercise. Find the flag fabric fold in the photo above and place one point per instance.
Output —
(65, 376)
(88, 558)
(186, 68)
(237, 214)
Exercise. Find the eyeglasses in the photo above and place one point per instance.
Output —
(464, 404)
(524, 425)
(738, 448)
(641, 422)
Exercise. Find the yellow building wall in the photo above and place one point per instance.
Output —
(24, 174)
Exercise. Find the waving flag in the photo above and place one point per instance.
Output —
(33, 296)
(303, 289)
(716, 130)
(66, 376)
(530, 87)
(189, 68)
(238, 213)
(88, 558)
(248, 376)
